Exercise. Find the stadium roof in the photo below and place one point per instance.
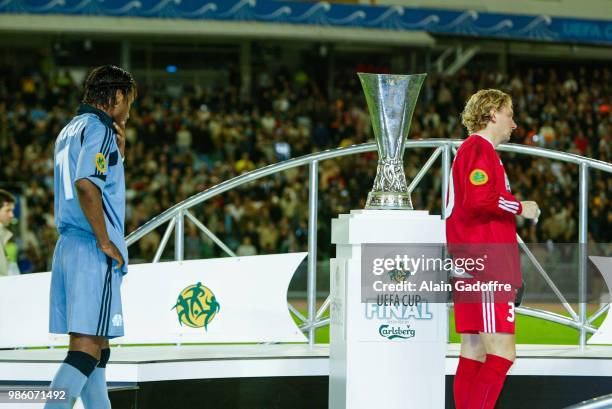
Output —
(228, 29)
(302, 20)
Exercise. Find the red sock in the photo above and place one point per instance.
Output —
(489, 383)
(467, 370)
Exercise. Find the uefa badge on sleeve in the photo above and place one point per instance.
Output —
(478, 177)
(101, 163)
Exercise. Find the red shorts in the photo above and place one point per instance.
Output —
(473, 317)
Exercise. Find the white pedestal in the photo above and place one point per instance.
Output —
(367, 370)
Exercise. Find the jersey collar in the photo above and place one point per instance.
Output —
(103, 116)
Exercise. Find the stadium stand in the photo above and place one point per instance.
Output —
(181, 145)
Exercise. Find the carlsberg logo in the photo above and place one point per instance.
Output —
(390, 332)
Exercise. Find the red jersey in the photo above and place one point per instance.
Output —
(480, 209)
(479, 206)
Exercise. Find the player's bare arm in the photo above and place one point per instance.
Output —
(530, 209)
(91, 203)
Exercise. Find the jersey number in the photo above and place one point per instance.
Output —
(64, 168)
(510, 317)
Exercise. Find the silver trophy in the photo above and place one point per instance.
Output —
(391, 100)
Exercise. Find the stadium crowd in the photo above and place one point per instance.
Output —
(177, 147)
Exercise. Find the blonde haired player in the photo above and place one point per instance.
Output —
(481, 210)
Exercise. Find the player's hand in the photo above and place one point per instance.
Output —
(113, 252)
(530, 210)
(120, 128)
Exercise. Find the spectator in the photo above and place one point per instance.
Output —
(7, 205)
(246, 248)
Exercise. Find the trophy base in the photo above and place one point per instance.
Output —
(389, 201)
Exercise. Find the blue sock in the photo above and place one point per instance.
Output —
(95, 393)
(72, 376)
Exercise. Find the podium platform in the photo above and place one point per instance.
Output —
(291, 376)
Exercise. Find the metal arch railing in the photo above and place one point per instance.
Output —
(601, 402)
(175, 217)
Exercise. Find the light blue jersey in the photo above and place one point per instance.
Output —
(87, 149)
(85, 288)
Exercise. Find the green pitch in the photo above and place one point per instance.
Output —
(529, 330)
